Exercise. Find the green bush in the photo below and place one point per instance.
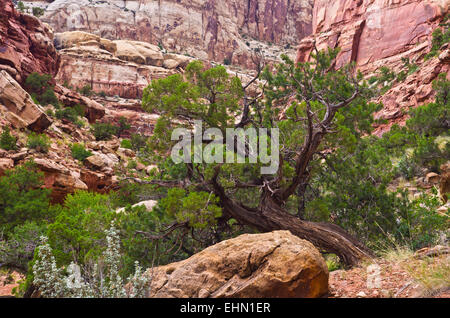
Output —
(138, 142)
(79, 152)
(104, 131)
(440, 36)
(7, 141)
(86, 90)
(22, 198)
(40, 143)
(78, 231)
(126, 143)
(17, 250)
(38, 12)
(41, 90)
(21, 7)
(123, 126)
(67, 113)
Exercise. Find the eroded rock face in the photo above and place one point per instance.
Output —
(206, 29)
(376, 33)
(26, 44)
(59, 179)
(122, 68)
(276, 264)
(371, 32)
(18, 107)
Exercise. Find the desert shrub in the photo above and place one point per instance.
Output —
(440, 36)
(39, 142)
(17, 249)
(101, 280)
(126, 143)
(419, 225)
(22, 198)
(123, 126)
(79, 152)
(78, 231)
(41, 90)
(21, 6)
(38, 12)
(132, 164)
(86, 90)
(138, 142)
(103, 131)
(7, 141)
(67, 113)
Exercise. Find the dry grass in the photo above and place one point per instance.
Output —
(433, 274)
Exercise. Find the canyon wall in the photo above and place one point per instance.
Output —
(221, 31)
(377, 33)
(26, 45)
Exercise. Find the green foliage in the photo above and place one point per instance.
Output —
(101, 280)
(71, 114)
(21, 7)
(79, 152)
(104, 131)
(199, 209)
(78, 231)
(7, 141)
(21, 197)
(123, 126)
(440, 36)
(126, 143)
(86, 90)
(212, 95)
(17, 249)
(38, 12)
(420, 225)
(41, 89)
(138, 142)
(132, 164)
(39, 142)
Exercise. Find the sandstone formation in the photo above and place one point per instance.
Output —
(122, 68)
(276, 264)
(207, 29)
(18, 107)
(376, 33)
(26, 44)
(70, 98)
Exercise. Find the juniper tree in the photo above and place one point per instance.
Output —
(315, 108)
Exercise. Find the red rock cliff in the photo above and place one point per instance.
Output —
(376, 33)
(26, 44)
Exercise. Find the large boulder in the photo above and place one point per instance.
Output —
(59, 179)
(139, 53)
(5, 164)
(69, 98)
(268, 265)
(19, 107)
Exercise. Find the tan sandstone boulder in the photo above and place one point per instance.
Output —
(139, 53)
(268, 265)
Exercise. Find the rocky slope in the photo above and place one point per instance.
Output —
(206, 29)
(376, 33)
(27, 46)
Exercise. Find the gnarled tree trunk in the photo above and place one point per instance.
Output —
(270, 216)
